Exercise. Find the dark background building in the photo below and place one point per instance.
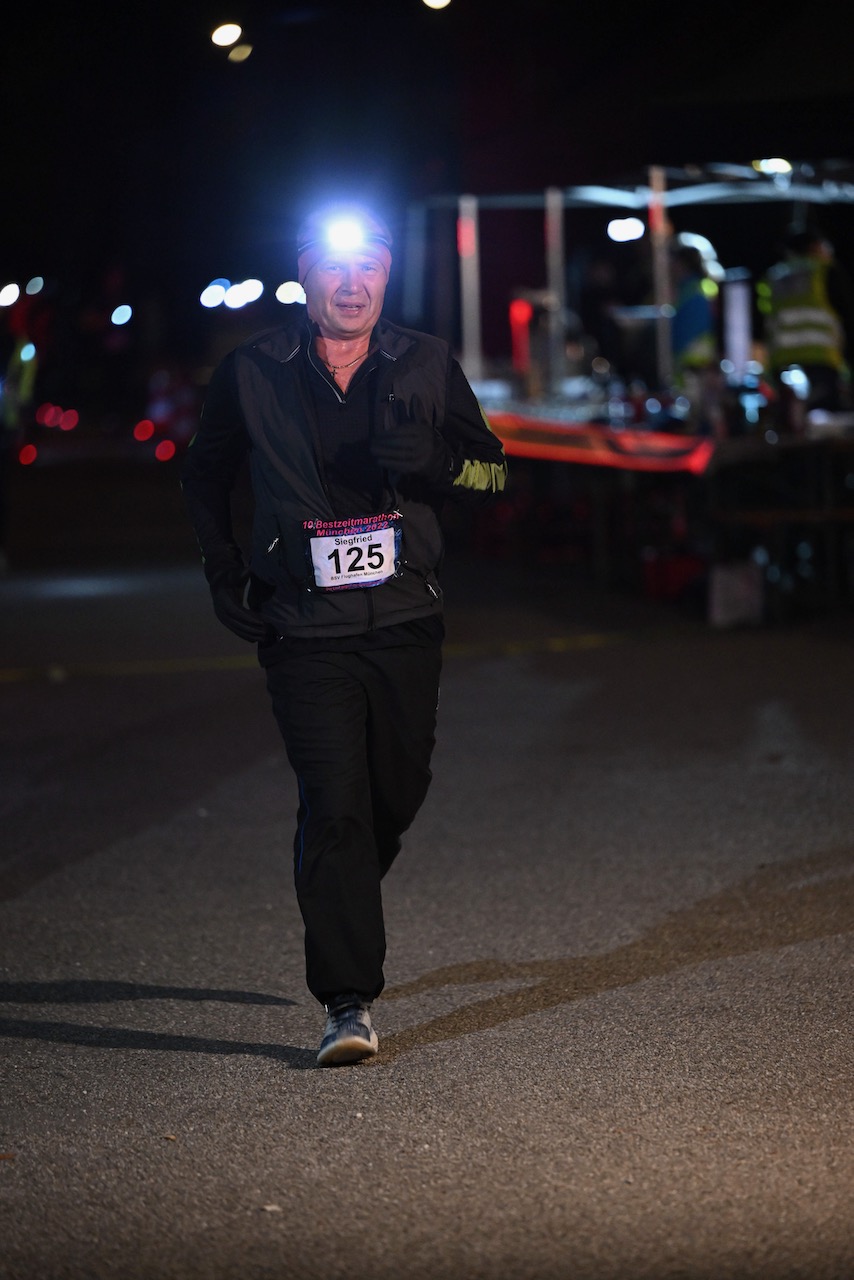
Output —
(139, 162)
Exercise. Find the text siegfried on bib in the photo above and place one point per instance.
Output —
(362, 551)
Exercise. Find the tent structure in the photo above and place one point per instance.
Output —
(540, 432)
(665, 189)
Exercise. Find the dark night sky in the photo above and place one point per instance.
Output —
(128, 136)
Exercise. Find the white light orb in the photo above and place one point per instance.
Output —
(290, 291)
(621, 230)
(226, 34)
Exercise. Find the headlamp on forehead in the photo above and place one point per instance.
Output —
(344, 235)
(341, 231)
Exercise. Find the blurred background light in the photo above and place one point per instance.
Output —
(164, 451)
(144, 429)
(28, 351)
(706, 250)
(239, 295)
(35, 285)
(622, 230)
(213, 295)
(693, 241)
(290, 291)
(437, 4)
(795, 378)
(122, 314)
(466, 237)
(239, 53)
(27, 455)
(252, 290)
(9, 294)
(775, 166)
(225, 34)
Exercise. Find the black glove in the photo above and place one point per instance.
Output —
(414, 447)
(227, 592)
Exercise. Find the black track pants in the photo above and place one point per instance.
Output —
(359, 730)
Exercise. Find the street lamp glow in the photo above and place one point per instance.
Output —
(227, 34)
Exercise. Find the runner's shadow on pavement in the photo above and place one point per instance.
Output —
(780, 905)
(82, 991)
(92, 991)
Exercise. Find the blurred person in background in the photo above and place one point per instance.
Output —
(694, 338)
(356, 432)
(806, 302)
(18, 371)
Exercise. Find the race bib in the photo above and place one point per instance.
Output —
(362, 551)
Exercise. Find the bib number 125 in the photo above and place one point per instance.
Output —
(354, 552)
(357, 559)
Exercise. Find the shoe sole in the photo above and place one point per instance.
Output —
(348, 1049)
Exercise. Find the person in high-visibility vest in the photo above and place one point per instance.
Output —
(806, 302)
(694, 328)
(694, 338)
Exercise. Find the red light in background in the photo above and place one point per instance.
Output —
(466, 237)
(521, 313)
(53, 415)
(27, 455)
(143, 430)
(164, 451)
(657, 216)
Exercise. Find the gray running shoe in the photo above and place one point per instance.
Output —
(349, 1036)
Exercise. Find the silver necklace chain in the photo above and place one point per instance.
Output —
(334, 368)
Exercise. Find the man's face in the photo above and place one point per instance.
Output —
(344, 294)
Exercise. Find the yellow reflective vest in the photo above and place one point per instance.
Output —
(802, 326)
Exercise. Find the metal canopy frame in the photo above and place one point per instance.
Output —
(712, 184)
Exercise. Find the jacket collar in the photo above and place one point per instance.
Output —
(284, 342)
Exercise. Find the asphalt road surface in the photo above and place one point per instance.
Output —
(616, 1040)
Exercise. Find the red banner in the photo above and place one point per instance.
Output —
(598, 445)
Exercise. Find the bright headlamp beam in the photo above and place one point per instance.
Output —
(345, 236)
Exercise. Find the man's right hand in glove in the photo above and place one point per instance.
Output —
(413, 446)
(227, 592)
